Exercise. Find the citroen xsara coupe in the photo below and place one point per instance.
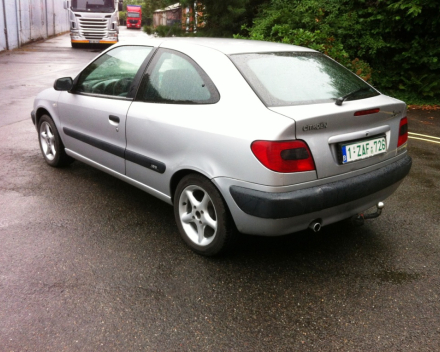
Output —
(263, 138)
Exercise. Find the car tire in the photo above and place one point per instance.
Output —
(202, 216)
(51, 145)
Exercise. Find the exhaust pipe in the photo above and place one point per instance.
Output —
(315, 226)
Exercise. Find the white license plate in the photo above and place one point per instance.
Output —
(362, 150)
(94, 41)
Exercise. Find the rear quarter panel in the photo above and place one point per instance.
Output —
(215, 139)
(340, 121)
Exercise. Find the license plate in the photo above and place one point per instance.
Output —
(94, 41)
(364, 149)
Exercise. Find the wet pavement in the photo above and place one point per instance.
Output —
(89, 263)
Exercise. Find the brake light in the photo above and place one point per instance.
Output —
(284, 156)
(403, 132)
(366, 112)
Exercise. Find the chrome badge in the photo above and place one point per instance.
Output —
(318, 126)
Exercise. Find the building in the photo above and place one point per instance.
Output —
(25, 21)
(175, 14)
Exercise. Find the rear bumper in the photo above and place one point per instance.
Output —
(264, 210)
(311, 200)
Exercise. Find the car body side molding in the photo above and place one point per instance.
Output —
(136, 158)
(95, 142)
(145, 161)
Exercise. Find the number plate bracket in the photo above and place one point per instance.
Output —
(361, 149)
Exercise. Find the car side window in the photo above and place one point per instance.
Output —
(113, 72)
(174, 78)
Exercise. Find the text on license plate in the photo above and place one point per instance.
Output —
(94, 41)
(364, 149)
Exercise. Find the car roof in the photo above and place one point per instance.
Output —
(224, 45)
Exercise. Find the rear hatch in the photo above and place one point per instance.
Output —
(347, 124)
(364, 131)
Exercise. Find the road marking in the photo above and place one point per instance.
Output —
(424, 139)
(423, 135)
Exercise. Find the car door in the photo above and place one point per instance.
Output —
(93, 114)
(173, 94)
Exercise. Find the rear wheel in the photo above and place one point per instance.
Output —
(50, 143)
(202, 216)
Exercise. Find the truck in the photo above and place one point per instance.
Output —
(134, 16)
(93, 21)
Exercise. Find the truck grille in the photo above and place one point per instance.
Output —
(93, 28)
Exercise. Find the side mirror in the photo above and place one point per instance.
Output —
(66, 4)
(120, 8)
(63, 84)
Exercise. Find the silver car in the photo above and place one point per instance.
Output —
(263, 138)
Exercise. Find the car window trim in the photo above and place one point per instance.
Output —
(143, 71)
(139, 75)
(215, 94)
(104, 96)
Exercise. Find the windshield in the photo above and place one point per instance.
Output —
(93, 5)
(293, 78)
(133, 14)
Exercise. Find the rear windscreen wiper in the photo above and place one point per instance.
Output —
(340, 100)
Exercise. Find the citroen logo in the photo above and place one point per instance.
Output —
(317, 126)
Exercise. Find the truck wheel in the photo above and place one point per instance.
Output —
(202, 216)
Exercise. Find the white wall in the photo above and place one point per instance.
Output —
(24, 21)
(2, 29)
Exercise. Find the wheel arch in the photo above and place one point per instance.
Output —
(178, 176)
(47, 110)
(40, 112)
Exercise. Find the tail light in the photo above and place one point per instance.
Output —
(403, 132)
(284, 156)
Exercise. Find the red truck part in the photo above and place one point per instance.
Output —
(134, 16)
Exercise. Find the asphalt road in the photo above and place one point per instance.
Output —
(89, 263)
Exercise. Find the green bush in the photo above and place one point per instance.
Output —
(122, 17)
(393, 43)
(148, 29)
(169, 31)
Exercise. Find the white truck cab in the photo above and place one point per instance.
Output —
(93, 21)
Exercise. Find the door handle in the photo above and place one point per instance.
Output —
(114, 119)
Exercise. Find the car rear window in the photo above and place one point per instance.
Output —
(293, 78)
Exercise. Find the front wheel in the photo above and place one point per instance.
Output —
(50, 143)
(202, 216)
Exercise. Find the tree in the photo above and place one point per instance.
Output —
(397, 38)
(149, 6)
(225, 18)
